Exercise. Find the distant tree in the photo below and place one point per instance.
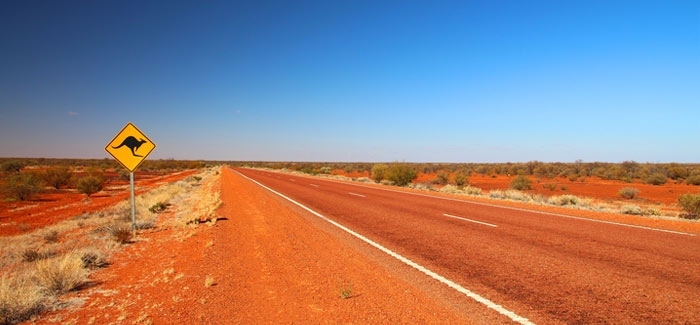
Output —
(461, 179)
(11, 166)
(379, 172)
(656, 179)
(57, 176)
(89, 185)
(401, 174)
(690, 203)
(521, 183)
(22, 186)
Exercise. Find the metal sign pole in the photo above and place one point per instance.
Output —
(133, 203)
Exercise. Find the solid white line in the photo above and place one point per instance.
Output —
(470, 220)
(488, 303)
(355, 194)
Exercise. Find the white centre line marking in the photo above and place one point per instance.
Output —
(470, 220)
(314, 185)
(488, 303)
(355, 194)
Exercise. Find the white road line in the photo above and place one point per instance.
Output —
(470, 220)
(524, 210)
(488, 303)
(314, 185)
(355, 194)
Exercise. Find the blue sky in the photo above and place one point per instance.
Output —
(423, 81)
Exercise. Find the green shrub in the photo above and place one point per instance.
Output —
(57, 176)
(628, 192)
(690, 203)
(401, 174)
(678, 172)
(89, 185)
(379, 172)
(10, 167)
(158, 207)
(22, 186)
(656, 179)
(521, 183)
(461, 179)
(693, 180)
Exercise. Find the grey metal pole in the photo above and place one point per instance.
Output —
(133, 203)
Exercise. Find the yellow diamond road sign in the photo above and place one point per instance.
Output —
(130, 147)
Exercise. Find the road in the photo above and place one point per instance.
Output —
(543, 268)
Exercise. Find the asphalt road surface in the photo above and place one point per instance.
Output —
(542, 268)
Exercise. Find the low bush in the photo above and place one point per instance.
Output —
(401, 174)
(32, 254)
(22, 186)
(693, 180)
(690, 203)
(121, 233)
(93, 259)
(158, 207)
(461, 179)
(51, 236)
(521, 183)
(12, 166)
(57, 177)
(656, 179)
(89, 185)
(379, 172)
(628, 192)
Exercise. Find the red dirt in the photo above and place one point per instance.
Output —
(57, 205)
(592, 187)
(269, 264)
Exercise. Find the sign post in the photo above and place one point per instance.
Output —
(130, 147)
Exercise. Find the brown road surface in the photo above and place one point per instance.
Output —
(544, 267)
(276, 264)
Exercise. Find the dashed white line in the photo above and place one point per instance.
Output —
(488, 303)
(525, 210)
(470, 220)
(355, 194)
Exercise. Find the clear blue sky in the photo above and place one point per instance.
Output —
(419, 81)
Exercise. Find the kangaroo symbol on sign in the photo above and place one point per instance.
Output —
(132, 144)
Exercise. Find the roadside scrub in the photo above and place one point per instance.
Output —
(37, 268)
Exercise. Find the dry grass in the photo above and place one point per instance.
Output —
(38, 266)
(61, 274)
(20, 299)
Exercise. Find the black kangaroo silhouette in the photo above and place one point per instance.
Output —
(132, 144)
